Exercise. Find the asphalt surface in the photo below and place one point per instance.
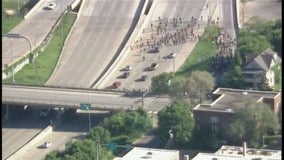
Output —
(20, 128)
(73, 98)
(94, 40)
(140, 59)
(35, 28)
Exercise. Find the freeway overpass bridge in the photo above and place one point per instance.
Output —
(74, 98)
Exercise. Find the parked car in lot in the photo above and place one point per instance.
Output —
(171, 55)
(51, 6)
(46, 144)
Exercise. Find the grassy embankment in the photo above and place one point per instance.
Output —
(46, 61)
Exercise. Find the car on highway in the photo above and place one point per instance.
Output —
(154, 50)
(171, 55)
(153, 66)
(44, 112)
(127, 68)
(125, 74)
(51, 6)
(46, 144)
(116, 85)
(143, 78)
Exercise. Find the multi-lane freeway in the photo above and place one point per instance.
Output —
(94, 40)
(97, 36)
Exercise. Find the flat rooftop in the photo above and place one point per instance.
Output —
(139, 153)
(236, 153)
(229, 99)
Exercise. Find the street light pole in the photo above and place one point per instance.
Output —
(89, 111)
(11, 40)
(15, 35)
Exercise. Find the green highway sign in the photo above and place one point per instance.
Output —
(85, 106)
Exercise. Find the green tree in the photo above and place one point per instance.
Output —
(179, 119)
(205, 138)
(233, 79)
(195, 86)
(251, 43)
(251, 123)
(81, 150)
(101, 133)
(160, 84)
(130, 123)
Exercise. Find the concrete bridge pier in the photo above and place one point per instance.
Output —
(5, 113)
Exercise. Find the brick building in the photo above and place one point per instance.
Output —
(225, 101)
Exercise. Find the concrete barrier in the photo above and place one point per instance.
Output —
(75, 4)
(238, 13)
(32, 142)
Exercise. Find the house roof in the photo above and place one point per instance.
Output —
(231, 99)
(263, 61)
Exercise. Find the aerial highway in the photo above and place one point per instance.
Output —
(97, 36)
(35, 28)
(167, 26)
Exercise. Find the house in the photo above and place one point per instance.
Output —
(139, 153)
(225, 101)
(258, 70)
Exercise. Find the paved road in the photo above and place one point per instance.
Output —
(96, 37)
(35, 28)
(20, 128)
(161, 11)
(62, 97)
(73, 127)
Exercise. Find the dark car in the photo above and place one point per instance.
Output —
(143, 78)
(116, 85)
(171, 55)
(125, 74)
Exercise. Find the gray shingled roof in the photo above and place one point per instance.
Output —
(262, 61)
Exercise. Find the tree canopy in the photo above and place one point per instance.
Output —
(81, 150)
(195, 86)
(251, 123)
(128, 123)
(161, 83)
(179, 119)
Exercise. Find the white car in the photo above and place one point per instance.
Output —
(51, 6)
(46, 144)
